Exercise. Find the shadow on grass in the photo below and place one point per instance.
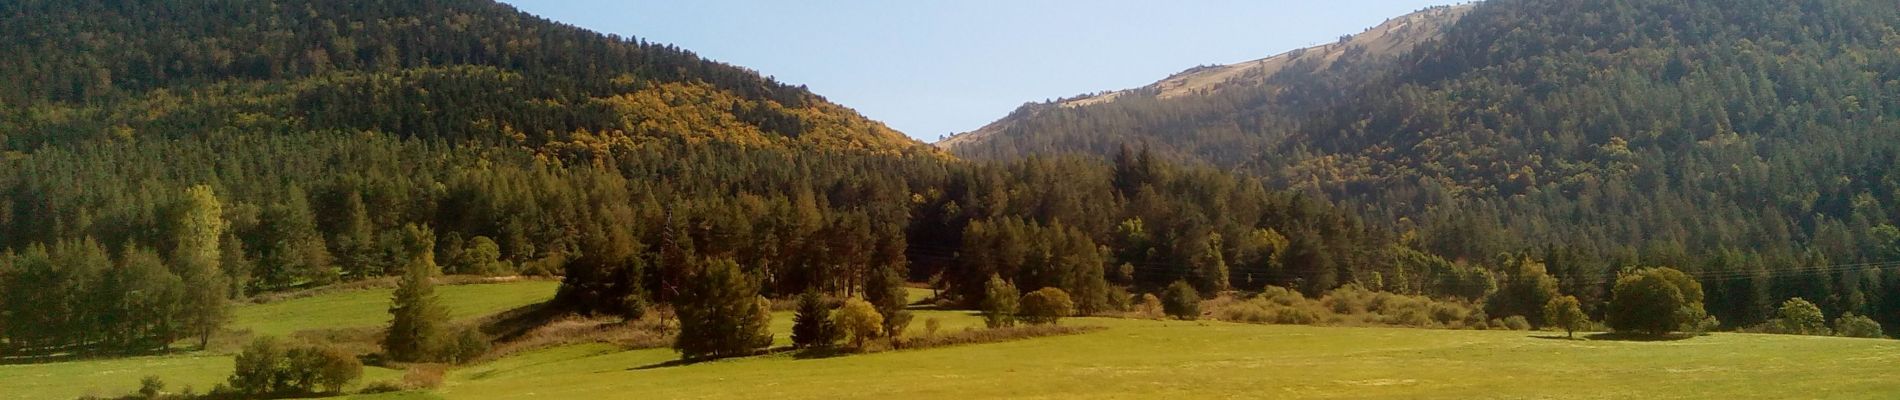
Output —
(1620, 337)
(685, 362)
(84, 355)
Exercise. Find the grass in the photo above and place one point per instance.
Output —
(1130, 359)
(1156, 359)
(200, 370)
(370, 307)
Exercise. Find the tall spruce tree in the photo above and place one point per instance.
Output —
(721, 313)
(417, 317)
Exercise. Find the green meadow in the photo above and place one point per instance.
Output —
(1129, 359)
(346, 309)
(1172, 359)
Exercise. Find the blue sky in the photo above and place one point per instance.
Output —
(935, 67)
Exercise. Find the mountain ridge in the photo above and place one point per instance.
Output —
(1393, 37)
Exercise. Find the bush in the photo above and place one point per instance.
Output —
(380, 387)
(151, 386)
(931, 325)
(1046, 306)
(1181, 301)
(1150, 307)
(811, 324)
(999, 303)
(268, 367)
(465, 345)
(260, 368)
(324, 367)
(859, 319)
(993, 335)
(1800, 317)
(1859, 326)
(1517, 323)
(1654, 301)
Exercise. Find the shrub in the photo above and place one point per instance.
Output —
(380, 387)
(1800, 317)
(324, 367)
(859, 319)
(1517, 323)
(465, 345)
(931, 325)
(151, 386)
(1654, 301)
(811, 324)
(999, 303)
(268, 367)
(993, 335)
(1150, 307)
(260, 368)
(1046, 306)
(1859, 326)
(1181, 301)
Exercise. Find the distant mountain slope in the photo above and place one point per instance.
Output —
(465, 68)
(1753, 140)
(1195, 111)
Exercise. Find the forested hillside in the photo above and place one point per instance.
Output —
(162, 158)
(1751, 143)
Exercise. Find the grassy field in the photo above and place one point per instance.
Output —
(114, 377)
(1130, 359)
(370, 307)
(1154, 359)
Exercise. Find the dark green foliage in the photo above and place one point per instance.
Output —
(540, 149)
(1181, 301)
(721, 313)
(811, 323)
(1654, 301)
(1000, 302)
(1046, 306)
(268, 367)
(885, 290)
(462, 345)
(1859, 326)
(150, 386)
(418, 322)
(1731, 139)
(1526, 290)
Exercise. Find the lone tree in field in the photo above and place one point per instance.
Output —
(417, 319)
(720, 314)
(885, 290)
(1046, 306)
(999, 303)
(811, 325)
(1797, 316)
(1181, 301)
(1564, 312)
(859, 319)
(1654, 301)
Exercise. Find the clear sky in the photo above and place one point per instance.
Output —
(935, 67)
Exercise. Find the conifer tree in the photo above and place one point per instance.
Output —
(417, 318)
